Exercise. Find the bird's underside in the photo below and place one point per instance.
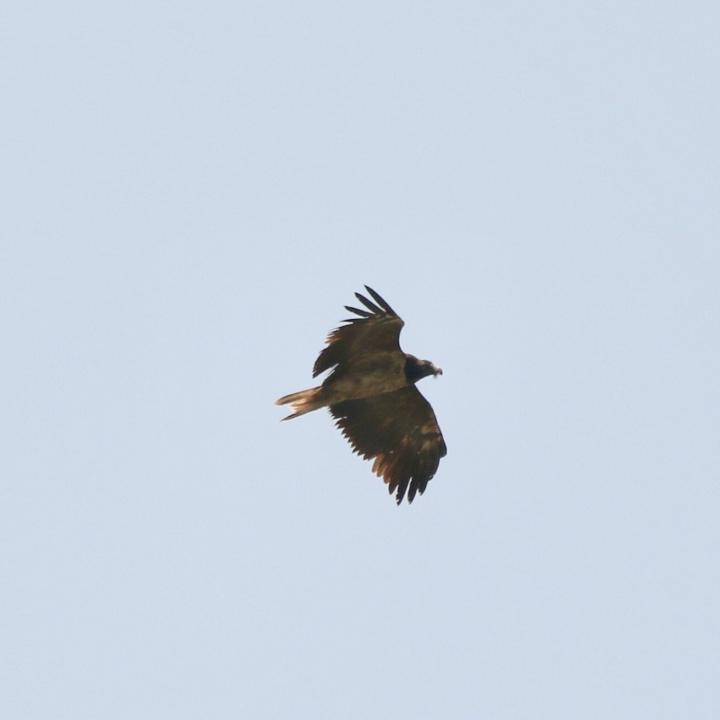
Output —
(371, 393)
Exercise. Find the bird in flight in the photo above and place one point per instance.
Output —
(372, 395)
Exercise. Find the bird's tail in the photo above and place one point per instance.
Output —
(302, 402)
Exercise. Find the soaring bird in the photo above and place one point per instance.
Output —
(372, 394)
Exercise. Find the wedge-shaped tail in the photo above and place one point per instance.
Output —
(302, 402)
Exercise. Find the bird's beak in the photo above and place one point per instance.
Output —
(438, 371)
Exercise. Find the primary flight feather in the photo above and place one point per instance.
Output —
(372, 394)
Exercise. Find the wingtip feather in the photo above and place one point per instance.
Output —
(358, 311)
(369, 305)
(380, 300)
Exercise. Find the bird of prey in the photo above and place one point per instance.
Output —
(371, 393)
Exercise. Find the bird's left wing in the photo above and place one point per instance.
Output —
(376, 329)
(400, 431)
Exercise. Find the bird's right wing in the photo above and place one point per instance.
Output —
(399, 429)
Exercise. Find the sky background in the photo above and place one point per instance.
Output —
(192, 191)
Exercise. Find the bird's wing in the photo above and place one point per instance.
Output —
(400, 431)
(377, 329)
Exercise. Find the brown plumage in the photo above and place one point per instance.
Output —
(371, 392)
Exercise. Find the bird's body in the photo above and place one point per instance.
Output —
(371, 392)
(370, 374)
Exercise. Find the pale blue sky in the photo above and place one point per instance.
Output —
(192, 191)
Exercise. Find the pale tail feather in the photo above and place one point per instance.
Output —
(302, 402)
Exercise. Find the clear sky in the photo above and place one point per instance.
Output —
(192, 191)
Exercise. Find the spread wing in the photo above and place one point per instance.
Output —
(400, 431)
(376, 329)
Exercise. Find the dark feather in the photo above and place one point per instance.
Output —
(379, 300)
(373, 308)
(357, 311)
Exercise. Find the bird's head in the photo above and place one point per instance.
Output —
(416, 369)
